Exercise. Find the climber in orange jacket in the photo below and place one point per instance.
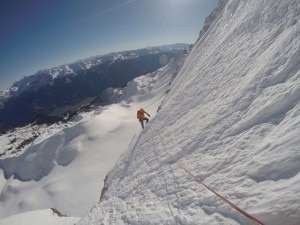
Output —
(141, 116)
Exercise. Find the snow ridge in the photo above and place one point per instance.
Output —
(232, 118)
(212, 17)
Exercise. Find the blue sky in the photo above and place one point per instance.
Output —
(40, 34)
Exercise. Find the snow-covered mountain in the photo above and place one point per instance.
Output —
(54, 92)
(228, 118)
(47, 76)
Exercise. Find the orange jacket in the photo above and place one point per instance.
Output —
(141, 114)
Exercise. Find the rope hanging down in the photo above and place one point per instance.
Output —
(252, 218)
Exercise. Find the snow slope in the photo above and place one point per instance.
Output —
(231, 118)
(66, 169)
(45, 217)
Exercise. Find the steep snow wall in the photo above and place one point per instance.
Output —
(232, 118)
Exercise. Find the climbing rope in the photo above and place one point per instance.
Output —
(183, 167)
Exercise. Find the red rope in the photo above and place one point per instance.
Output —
(255, 220)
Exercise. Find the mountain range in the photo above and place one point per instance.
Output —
(50, 94)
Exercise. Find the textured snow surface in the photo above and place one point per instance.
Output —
(232, 118)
